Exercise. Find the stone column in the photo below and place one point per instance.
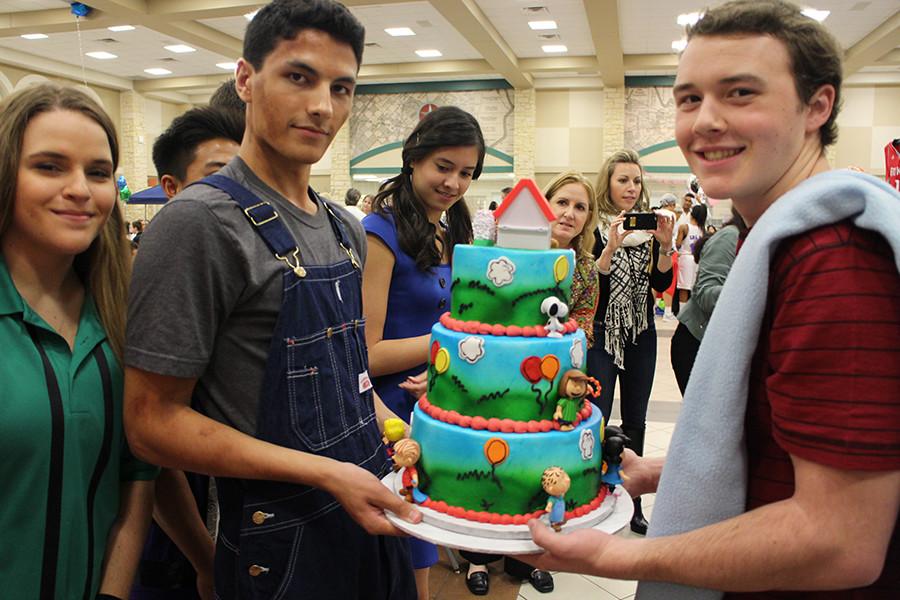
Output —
(340, 164)
(133, 151)
(523, 138)
(613, 120)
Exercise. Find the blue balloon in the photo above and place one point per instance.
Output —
(80, 10)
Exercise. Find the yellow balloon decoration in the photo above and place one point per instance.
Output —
(561, 268)
(442, 361)
(496, 450)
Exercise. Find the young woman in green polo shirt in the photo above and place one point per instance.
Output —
(73, 498)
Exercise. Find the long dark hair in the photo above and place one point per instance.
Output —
(447, 126)
(736, 221)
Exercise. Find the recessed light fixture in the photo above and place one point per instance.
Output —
(399, 31)
(429, 53)
(34, 36)
(249, 16)
(158, 71)
(101, 55)
(818, 15)
(228, 66)
(688, 18)
(121, 28)
(554, 48)
(180, 48)
(542, 25)
(679, 45)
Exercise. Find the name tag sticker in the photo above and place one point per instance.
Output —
(365, 384)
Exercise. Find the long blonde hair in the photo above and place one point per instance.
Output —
(605, 207)
(105, 266)
(583, 243)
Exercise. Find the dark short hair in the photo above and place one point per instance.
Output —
(351, 198)
(815, 56)
(176, 148)
(284, 19)
(226, 97)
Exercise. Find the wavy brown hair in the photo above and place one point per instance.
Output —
(606, 210)
(105, 266)
(583, 243)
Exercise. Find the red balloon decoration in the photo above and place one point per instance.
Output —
(531, 369)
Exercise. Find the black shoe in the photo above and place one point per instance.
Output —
(478, 583)
(542, 581)
(639, 524)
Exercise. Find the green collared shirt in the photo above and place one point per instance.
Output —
(25, 442)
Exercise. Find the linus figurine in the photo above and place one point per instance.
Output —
(406, 455)
(614, 441)
(573, 387)
(556, 483)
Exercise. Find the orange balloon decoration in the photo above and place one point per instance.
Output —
(549, 367)
(496, 450)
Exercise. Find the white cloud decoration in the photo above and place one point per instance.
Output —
(471, 349)
(576, 352)
(586, 444)
(500, 271)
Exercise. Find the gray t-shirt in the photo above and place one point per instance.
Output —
(206, 291)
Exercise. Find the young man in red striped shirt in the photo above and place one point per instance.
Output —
(757, 93)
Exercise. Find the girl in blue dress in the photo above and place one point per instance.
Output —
(417, 218)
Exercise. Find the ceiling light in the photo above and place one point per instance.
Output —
(249, 16)
(34, 36)
(121, 28)
(688, 19)
(101, 55)
(679, 45)
(818, 15)
(541, 25)
(228, 66)
(180, 48)
(429, 53)
(554, 48)
(399, 31)
(158, 71)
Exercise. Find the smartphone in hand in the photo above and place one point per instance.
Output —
(639, 221)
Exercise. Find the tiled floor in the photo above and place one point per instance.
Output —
(665, 402)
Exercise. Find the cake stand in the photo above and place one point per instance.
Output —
(612, 515)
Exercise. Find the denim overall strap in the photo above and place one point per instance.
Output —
(282, 540)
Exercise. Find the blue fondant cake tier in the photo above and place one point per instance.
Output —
(501, 472)
(500, 376)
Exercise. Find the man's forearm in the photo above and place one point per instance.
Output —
(779, 546)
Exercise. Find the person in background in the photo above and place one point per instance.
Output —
(226, 97)
(573, 202)
(197, 143)
(177, 562)
(668, 203)
(406, 282)
(366, 204)
(783, 473)
(714, 255)
(351, 199)
(76, 503)
(212, 386)
(687, 236)
(632, 264)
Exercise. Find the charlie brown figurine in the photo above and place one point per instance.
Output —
(573, 387)
(406, 455)
(394, 430)
(556, 483)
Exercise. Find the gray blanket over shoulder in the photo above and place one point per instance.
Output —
(704, 480)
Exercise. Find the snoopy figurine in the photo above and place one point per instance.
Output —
(555, 309)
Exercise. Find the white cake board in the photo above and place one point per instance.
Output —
(612, 515)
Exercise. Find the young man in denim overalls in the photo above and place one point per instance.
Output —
(246, 305)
